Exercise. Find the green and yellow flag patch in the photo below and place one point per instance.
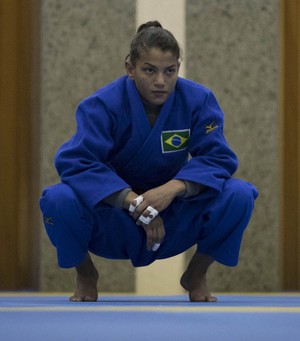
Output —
(174, 140)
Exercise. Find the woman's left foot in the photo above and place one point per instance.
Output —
(194, 279)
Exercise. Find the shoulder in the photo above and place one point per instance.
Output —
(116, 87)
(111, 95)
(195, 94)
(104, 105)
(187, 87)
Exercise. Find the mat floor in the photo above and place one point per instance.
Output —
(235, 317)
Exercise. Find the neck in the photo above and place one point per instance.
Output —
(151, 109)
(152, 112)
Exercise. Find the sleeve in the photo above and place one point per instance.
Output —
(82, 162)
(212, 160)
(117, 199)
(192, 189)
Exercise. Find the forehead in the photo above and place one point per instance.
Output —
(158, 57)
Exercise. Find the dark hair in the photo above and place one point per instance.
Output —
(152, 35)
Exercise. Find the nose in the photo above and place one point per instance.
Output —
(159, 80)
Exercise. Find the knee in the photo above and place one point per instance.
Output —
(241, 192)
(58, 195)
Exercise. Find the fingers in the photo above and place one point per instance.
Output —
(153, 226)
(155, 247)
(152, 242)
(135, 204)
(155, 233)
(146, 217)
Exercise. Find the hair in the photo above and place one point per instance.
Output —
(152, 35)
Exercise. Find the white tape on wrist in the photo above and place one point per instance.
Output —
(138, 201)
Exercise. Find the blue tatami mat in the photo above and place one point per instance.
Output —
(38, 317)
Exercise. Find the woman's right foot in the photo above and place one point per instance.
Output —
(86, 282)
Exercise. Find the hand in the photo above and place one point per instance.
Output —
(159, 198)
(155, 231)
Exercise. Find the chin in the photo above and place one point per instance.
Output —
(158, 101)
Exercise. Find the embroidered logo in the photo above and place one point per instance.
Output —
(174, 140)
(49, 220)
(209, 128)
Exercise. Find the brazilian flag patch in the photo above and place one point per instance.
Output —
(174, 140)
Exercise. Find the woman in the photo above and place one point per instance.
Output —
(129, 188)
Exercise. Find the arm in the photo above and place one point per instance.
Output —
(212, 160)
(82, 162)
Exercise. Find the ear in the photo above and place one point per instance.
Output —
(179, 63)
(129, 69)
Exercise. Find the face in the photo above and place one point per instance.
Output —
(155, 75)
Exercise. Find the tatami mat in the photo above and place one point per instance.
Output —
(241, 317)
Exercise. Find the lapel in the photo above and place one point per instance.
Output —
(146, 139)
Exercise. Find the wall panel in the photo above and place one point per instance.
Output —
(233, 48)
(83, 47)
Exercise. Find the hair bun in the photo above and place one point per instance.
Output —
(149, 24)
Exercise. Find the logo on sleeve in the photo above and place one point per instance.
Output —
(49, 220)
(174, 140)
(209, 128)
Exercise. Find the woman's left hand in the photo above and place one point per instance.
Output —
(155, 232)
(154, 201)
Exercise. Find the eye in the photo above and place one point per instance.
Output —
(149, 70)
(171, 71)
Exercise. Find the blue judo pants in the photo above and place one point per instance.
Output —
(215, 224)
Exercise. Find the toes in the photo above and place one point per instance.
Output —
(202, 298)
(211, 299)
(83, 299)
(76, 299)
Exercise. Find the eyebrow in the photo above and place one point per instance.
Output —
(167, 67)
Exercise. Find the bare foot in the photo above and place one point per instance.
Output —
(86, 282)
(194, 279)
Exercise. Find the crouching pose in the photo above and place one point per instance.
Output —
(148, 174)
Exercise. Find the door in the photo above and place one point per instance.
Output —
(18, 76)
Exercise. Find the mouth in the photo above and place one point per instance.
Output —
(158, 93)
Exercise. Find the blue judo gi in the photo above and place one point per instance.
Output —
(115, 148)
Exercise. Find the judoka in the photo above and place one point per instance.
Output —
(148, 174)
